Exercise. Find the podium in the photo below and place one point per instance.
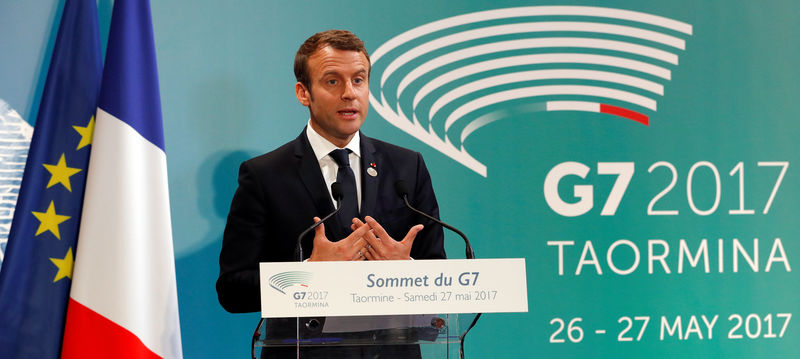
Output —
(436, 336)
(382, 308)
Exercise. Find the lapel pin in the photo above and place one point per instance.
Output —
(372, 171)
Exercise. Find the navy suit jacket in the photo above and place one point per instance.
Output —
(279, 194)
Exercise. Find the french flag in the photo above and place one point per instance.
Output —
(123, 301)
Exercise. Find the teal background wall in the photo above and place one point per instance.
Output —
(227, 93)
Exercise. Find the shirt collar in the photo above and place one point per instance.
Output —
(323, 147)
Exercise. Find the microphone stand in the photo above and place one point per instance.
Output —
(402, 191)
(336, 192)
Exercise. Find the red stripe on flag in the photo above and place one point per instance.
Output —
(624, 112)
(90, 335)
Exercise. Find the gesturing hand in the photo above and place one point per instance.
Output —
(351, 248)
(381, 246)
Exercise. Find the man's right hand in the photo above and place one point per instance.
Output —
(351, 248)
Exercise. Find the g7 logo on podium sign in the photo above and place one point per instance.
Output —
(284, 280)
(625, 171)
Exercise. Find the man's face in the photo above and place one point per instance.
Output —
(340, 87)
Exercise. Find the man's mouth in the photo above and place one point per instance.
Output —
(348, 112)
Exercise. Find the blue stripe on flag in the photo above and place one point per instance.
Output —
(130, 78)
(35, 280)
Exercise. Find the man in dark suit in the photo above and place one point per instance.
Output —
(285, 191)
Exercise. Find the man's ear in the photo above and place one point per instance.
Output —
(303, 94)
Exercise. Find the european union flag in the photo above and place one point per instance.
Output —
(37, 269)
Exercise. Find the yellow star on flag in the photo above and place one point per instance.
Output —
(60, 173)
(64, 266)
(49, 220)
(86, 134)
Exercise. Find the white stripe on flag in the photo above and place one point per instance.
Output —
(125, 268)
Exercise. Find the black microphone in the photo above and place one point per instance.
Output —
(336, 191)
(402, 191)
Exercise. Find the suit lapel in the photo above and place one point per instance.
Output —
(369, 184)
(310, 175)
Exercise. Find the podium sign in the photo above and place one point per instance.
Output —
(300, 289)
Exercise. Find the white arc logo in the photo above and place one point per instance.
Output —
(456, 75)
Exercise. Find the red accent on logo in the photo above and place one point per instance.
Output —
(624, 112)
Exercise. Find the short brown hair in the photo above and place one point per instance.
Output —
(337, 39)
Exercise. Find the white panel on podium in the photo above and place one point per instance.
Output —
(302, 289)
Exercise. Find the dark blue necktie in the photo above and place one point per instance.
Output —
(346, 179)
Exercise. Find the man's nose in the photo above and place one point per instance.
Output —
(349, 92)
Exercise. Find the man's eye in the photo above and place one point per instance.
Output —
(331, 82)
(358, 80)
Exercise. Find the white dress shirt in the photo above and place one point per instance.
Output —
(328, 166)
